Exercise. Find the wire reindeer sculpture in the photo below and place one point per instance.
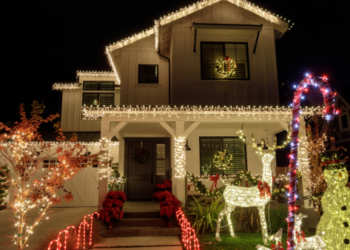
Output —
(256, 196)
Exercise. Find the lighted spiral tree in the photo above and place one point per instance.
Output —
(329, 112)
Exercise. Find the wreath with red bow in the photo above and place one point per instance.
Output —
(220, 66)
(140, 155)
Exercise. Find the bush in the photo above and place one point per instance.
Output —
(278, 219)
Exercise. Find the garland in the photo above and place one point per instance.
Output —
(223, 160)
(250, 181)
(140, 155)
(221, 70)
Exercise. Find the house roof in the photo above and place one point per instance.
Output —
(82, 136)
(171, 17)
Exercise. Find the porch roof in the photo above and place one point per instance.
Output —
(193, 113)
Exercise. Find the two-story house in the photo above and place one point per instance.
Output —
(180, 90)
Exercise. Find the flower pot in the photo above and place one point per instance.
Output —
(170, 224)
(110, 225)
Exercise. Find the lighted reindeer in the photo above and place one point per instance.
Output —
(256, 196)
(302, 242)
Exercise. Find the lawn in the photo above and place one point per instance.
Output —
(244, 241)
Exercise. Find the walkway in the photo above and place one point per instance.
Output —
(60, 218)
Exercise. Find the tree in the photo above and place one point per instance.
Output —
(31, 186)
(3, 187)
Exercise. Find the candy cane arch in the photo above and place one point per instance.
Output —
(329, 113)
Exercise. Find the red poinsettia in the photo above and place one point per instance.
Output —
(112, 206)
(116, 195)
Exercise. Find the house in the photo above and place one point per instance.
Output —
(180, 90)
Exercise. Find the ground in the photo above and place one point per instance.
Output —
(60, 218)
(244, 241)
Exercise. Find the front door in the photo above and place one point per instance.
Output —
(141, 177)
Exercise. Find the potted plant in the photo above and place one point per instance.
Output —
(113, 208)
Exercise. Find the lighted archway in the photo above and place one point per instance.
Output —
(329, 112)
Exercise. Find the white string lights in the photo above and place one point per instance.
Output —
(104, 169)
(54, 145)
(258, 113)
(69, 86)
(99, 74)
(180, 157)
(302, 242)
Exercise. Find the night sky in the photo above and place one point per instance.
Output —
(47, 41)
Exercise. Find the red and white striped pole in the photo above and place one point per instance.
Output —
(329, 113)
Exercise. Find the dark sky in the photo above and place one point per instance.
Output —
(47, 41)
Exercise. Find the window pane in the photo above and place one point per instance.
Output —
(148, 73)
(90, 85)
(160, 150)
(106, 85)
(344, 121)
(209, 146)
(212, 52)
(106, 99)
(90, 99)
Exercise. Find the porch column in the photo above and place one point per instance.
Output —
(303, 160)
(180, 160)
(103, 182)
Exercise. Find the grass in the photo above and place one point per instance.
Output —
(244, 241)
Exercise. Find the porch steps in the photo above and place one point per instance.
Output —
(142, 222)
(140, 215)
(142, 231)
(140, 243)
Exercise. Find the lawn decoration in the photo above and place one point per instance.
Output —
(277, 237)
(329, 112)
(222, 70)
(335, 203)
(256, 196)
(223, 160)
(302, 242)
(189, 237)
(58, 240)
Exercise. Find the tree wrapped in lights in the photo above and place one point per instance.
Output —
(3, 186)
(31, 186)
(335, 220)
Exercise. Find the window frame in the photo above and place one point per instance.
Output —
(138, 74)
(98, 86)
(222, 137)
(98, 93)
(341, 122)
(225, 79)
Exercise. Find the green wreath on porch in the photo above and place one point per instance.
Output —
(140, 155)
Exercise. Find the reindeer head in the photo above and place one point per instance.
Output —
(299, 219)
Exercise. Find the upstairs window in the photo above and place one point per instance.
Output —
(344, 121)
(93, 85)
(209, 147)
(101, 99)
(148, 73)
(229, 58)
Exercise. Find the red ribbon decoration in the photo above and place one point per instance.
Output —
(330, 162)
(264, 189)
(215, 181)
(279, 246)
(300, 236)
(227, 59)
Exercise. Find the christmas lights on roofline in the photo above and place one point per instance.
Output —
(63, 144)
(69, 86)
(94, 112)
(101, 74)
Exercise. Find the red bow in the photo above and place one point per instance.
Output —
(300, 236)
(264, 189)
(189, 186)
(279, 246)
(330, 162)
(215, 181)
(227, 59)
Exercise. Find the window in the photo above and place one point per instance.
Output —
(344, 121)
(92, 85)
(148, 73)
(50, 163)
(211, 52)
(209, 146)
(98, 99)
(160, 150)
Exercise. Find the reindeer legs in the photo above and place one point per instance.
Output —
(263, 224)
(225, 211)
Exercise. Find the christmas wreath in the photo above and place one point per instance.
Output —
(222, 69)
(223, 160)
(140, 156)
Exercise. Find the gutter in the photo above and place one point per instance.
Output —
(167, 58)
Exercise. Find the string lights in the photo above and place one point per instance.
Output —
(58, 240)
(180, 157)
(97, 74)
(104, 163)
(69, 86)
(189, 238)
(257, 113)
(329, 112)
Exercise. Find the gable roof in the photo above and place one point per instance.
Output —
(171, 17)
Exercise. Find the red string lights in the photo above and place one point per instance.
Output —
(329, 112)
(188, 233)
(82, 229)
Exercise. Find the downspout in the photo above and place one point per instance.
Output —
(167, 58)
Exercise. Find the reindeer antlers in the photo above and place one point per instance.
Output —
(260, 148)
